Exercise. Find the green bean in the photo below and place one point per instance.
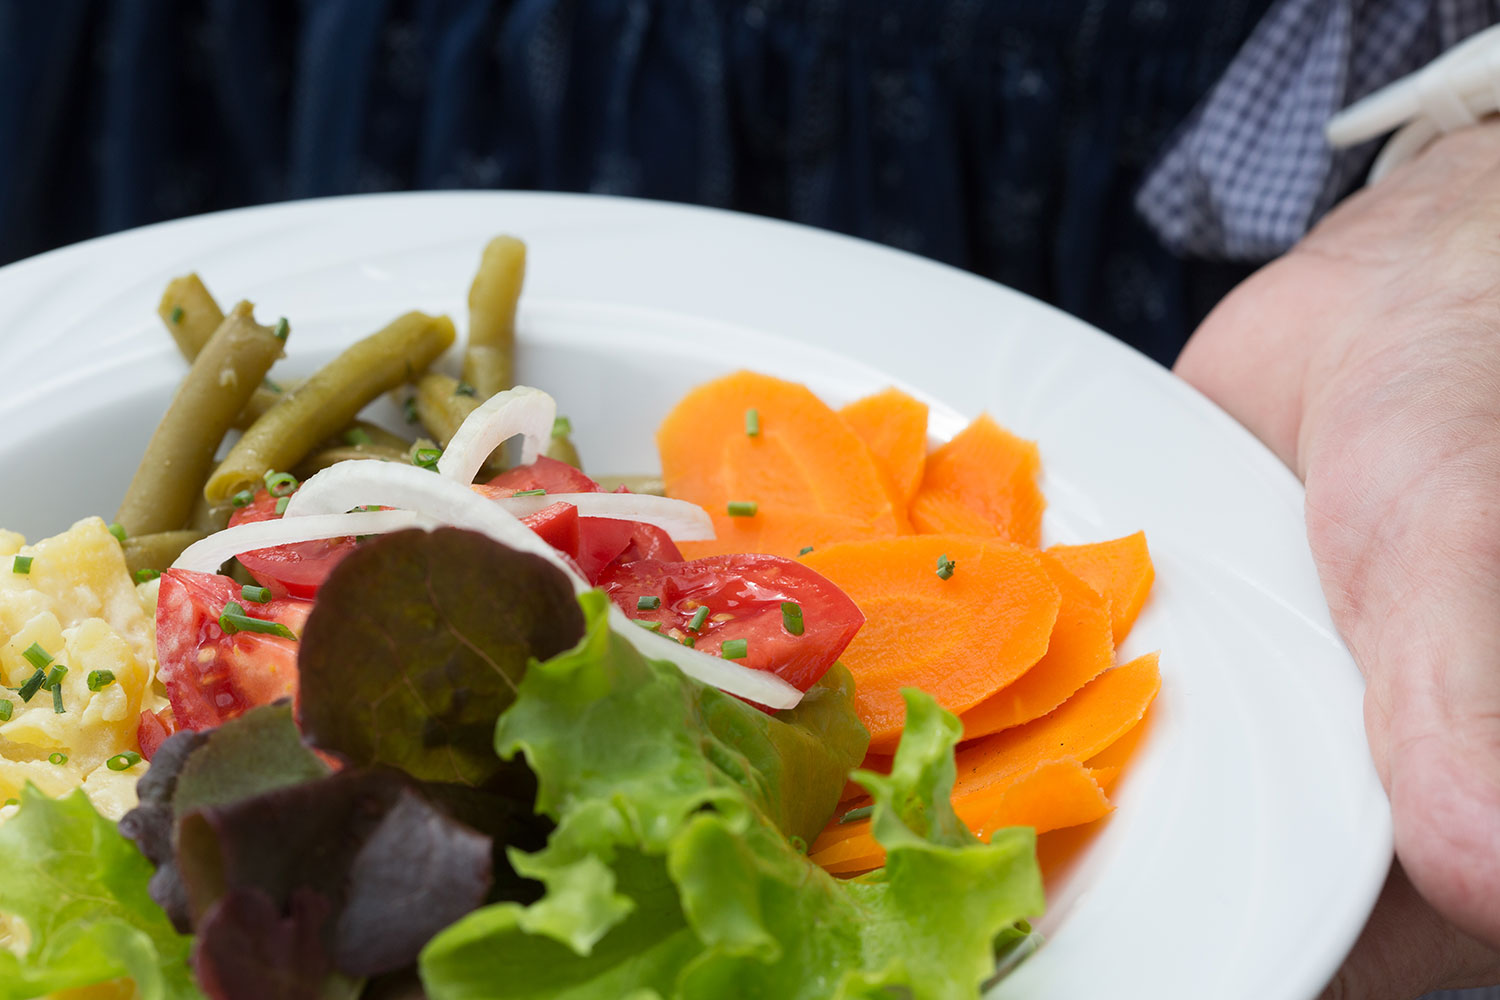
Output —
(327, 401)
(320, 460)
(649, 485)
(190, 314)
(490, 360)
(159, 550)
(377, 434)
(441, 408)
(181, 452)
(207, 517)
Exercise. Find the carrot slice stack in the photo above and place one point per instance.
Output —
(982, 482)
(751, 439)
(1120, 569)
(1082, 647)
(960, 639)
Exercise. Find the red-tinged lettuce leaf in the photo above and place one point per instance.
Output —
(246, 947)
(385, 868)
(258, 752)
(416, 645)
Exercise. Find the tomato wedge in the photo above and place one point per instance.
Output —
(295, 570)
(744, 595)
(545, 474)
(212, 676)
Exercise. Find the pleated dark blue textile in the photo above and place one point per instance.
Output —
(1004, 136)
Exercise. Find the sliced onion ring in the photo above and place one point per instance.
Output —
(681, 520)
(522, 410)
(207, 554)
(390, 484)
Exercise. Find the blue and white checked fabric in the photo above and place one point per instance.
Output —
(1250, 172)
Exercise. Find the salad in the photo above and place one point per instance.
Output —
(336, 713)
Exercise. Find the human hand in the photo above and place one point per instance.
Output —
(1368, 358)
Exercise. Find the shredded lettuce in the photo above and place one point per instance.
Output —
(80, 889)
(674, 870)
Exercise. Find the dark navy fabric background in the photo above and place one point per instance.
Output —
(1004, 136)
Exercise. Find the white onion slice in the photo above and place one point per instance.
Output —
(390, 484)
(207, 554)
(522, 410)
(681, 520)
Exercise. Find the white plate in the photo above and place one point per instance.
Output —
(1252, 834)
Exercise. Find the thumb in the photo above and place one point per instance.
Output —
(1400, 947)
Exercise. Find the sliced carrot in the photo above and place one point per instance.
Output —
(1081, 648)
(959, 639)
(983, 481)
(1104, 710)
(802, 462)
(894, 426)
(1055, 794)
(1106, 777)
(1122, 751)
(1121, 570)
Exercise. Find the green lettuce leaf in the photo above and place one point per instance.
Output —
(80, 887)
(674, 872)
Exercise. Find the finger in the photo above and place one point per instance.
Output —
(1406, 950)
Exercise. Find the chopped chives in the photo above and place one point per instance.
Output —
(118, 530)
(270, 384)
(699, 617)
(647, 602)
(357, 436)
(12, 802)
(752, 422)
(281, 503)
(798, 844)
(37, 656)
(22, 565)
(282, 328)
(123, 761)
(409, 409)
(734, 649)
(648, 626)
(426, 458)
(33, 684)
(529, 493)
(55, 676)
(176, 314)
(100, 679)
(243, 498)
(235, 620)
(853, 815)
(146, 574)
(804, 551)
(688, 641)
(57, 757)
(743, 508)
(945, 566)
(562, 427)
(259, 595)
(280, 484)
(7, 709)
(465, 389)
(57, 703)
(791, 617)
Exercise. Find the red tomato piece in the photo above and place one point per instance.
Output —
(648, 541)
(153, 729)
(545, 474)
(600, 542)
(558, 525)
(295, 570)
(744, 596)
(212, 676)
